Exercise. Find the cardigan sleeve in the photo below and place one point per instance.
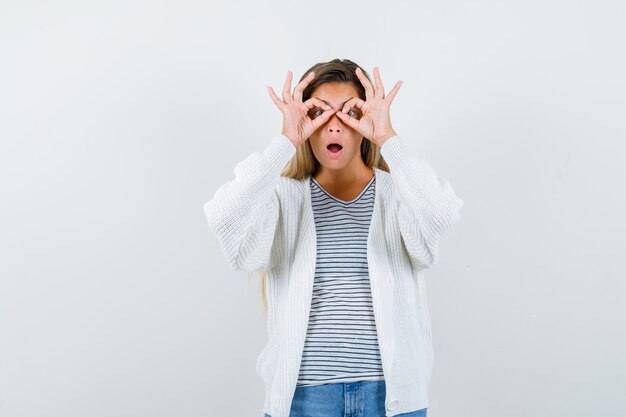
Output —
(244, 212)
(427, 205)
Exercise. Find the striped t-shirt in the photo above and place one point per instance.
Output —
(341, 343)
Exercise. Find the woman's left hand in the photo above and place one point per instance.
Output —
(374, 123)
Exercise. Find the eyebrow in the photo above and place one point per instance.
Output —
(329, 103)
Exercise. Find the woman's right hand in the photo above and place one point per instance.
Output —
(297, 125)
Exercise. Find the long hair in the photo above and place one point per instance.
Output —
(304, 163)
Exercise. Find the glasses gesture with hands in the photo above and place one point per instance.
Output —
(297, 125)
(375, 121)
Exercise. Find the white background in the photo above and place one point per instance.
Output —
(118, 121)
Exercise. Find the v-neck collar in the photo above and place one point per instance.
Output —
(367, 186)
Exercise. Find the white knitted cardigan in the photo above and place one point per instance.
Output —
(264, 221)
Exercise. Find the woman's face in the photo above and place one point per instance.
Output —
(334, 131)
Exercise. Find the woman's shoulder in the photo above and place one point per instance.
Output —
(383, 182)
(291, 186)
(381, 173)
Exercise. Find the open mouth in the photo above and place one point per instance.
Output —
(334, 150)
(334, 147)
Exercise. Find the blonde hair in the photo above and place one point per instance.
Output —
(304, 163)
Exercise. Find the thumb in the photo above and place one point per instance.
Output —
(350, 121)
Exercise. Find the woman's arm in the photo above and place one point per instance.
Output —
(244, 212)
(427, 205)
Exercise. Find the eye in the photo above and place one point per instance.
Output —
(352, 112)
(316, 112)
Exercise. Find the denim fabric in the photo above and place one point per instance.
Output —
(349, 399)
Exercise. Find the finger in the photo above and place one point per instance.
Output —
(287, 88)
(380, 90)
(323, 118)
(313, 101)
(350, 121)
(393, 92)
(353, 102)
(369, 89)
(297, 92)
(275, 98)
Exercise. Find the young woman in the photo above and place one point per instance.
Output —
(343, 221)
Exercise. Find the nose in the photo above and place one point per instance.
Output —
(334, 124)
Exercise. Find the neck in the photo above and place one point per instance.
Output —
(345, 176)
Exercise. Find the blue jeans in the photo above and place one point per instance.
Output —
(349, 399)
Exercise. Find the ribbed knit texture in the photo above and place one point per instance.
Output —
(264, 221)
(341, 343)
